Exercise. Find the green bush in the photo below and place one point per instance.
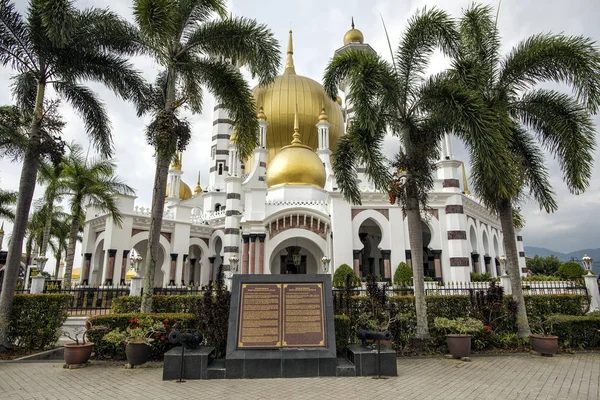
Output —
(540, 278)
(543, 265)
(403, 274)
(341, 276)
(100, 325)
(485, 277)
(160, 304)
(570, 270)
(576, 331)
(461, 326)
(36, 320)
(343, 329)
(546, 305)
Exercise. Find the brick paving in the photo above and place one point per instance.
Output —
(565, 376)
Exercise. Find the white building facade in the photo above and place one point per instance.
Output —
(281, 212)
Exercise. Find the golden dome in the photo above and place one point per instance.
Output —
(353, 35)
(184, 191)
(197, 189)
(296, 164)
(279, 100)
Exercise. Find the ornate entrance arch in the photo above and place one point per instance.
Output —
(310, 246)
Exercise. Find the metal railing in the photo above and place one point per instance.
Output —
(89, 300)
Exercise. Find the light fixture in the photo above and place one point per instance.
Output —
(233, 261)
(325, 261)
(135, 260)
(587, 263)
(502, 260)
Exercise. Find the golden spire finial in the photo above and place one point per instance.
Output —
(261, 114)
(465, 186)
(296, 134)
(289, 64)
(323, 116)
(198, 189)
(352, 22)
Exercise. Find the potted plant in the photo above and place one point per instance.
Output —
(77, 353)
(458, 334)
(137, 337)
(544, 343)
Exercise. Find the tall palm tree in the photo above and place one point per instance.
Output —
(58, 46)
(88, 183)
(530, 119)
(396, 97)
(60, 232)
(197, 50)
(50, 176)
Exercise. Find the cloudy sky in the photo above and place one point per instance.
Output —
(319, 27)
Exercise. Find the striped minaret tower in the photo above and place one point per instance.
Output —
(233, 205)
(221, 134)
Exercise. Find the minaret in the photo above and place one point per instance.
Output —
(219, 152)
(258, 170)
(233, 213)
(174, 180)
(323, 148)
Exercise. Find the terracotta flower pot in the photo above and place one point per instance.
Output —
(78, 353)
(545, 345)
(137, 353)
(459, 345)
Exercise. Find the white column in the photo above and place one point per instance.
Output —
(591, 282)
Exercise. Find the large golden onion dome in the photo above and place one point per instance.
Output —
(296, 164)
(353, 35)
(278, 101)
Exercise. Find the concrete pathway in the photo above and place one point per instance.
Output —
(527, 376)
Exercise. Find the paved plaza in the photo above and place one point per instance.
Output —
(524, 376)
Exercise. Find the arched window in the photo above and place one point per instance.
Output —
(218, 207)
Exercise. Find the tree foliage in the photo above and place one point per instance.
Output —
(543, 265)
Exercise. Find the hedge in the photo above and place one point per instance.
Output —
(36, 320)
(100, 325)
(582, 331)
(160, 304)
(343, 329)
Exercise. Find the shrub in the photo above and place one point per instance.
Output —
(101, 325)
(160, 304)
(570, 270)
(540, 278)
(485, 277)
(213, 316)
(546, 305)
(576, 331)
(543, 265)
(403, 274)
(462, 326)
(340, 277)
(36, 320)
(343, 330)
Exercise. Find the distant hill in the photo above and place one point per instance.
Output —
(543, 252)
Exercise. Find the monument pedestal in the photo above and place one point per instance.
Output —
(195, 363)
(366, 363)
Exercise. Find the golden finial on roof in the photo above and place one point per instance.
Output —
(289, 63)
(198, 189)
(466, 187)
(353, 35)
(323, 117)
(261, 115)
(296, 134)
(176, 164)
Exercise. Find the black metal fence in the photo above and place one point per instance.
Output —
(178, 291)
(555, 287)
(87, 300)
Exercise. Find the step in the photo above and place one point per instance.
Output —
(345, 368)
(216, 370)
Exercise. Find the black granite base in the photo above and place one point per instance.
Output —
(195, 364)
(285, 368)
(366, 363)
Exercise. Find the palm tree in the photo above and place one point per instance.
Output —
(88, 183)
(58, 46)
(531, 119)
(61, 230)
(7, 200)
(50, 174)
(396, 97)
(196, 50)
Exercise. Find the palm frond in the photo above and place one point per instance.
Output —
(57, 18)
(24, 87)
(157, 19)
(15, 44)
(7, 200)
(343, 163)
(574, 60)
(565, 129)
(105, 30)
(190, 13)
(85, 102)
(241, 40)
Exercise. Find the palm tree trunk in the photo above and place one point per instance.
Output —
(26, 188)
(58, 256)
(415, 236)
(71, 250)
(512, 261)
(158, 203)
(47, 226)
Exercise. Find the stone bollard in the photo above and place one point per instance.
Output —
(591, 282)
(505, 283)
(37, 284)
(137, 283)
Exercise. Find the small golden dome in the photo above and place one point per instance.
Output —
(296, 164)
(176, 164)
(338, 99)
(130, 274)
(261, 115)
(184, 191)
(197, 189)
(323, 117)
(353, 35)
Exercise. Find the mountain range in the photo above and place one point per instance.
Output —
(543, 252)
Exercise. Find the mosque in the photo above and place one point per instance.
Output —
(281, 212)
